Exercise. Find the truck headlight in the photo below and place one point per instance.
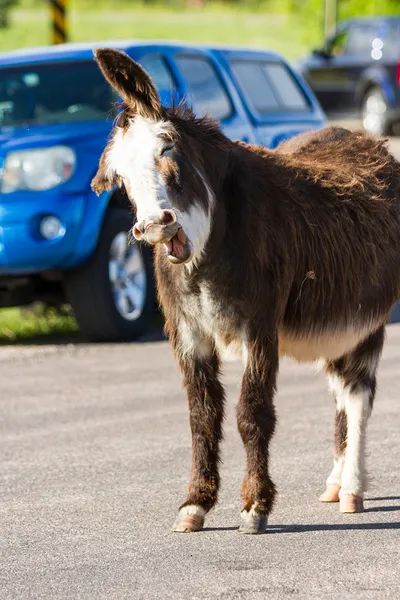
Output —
(37, 170)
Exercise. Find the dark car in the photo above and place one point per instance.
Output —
(356, 75)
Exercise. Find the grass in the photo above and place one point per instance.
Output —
(216, 24)
(33, 327)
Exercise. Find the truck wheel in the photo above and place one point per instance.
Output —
(112, 295)
(375, 113)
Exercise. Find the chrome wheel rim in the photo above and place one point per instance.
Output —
(127, 274)
(374, 114)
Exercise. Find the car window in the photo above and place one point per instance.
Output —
(391, 39)
(206, 89)
(59, 92)
(360, 40)
(157, 68)
(269, 86)
(338, 45)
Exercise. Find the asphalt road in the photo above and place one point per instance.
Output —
(95, 456)
(94, 461)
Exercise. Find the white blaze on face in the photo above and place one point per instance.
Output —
(132, 157)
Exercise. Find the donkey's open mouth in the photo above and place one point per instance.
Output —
(176, 242)
(179, 249)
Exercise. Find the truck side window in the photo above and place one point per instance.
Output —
(269, 86)
(206, 89)
(360, 41)
(157, 68)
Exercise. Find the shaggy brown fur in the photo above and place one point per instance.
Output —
(302, 259)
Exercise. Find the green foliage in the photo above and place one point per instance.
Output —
(31, 27)
(351, 8)
(313, 10)
(5, 6)
(35, 324)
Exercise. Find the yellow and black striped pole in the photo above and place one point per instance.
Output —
(59, 21)
(330, 16)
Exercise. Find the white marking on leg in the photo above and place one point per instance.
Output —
(357, 406)
(335, 476)
(337, 388)
(248, 515)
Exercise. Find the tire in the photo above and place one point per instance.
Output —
(113, 298)
(375, 113)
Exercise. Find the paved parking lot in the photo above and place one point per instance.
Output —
(94, 461)
(95, 455)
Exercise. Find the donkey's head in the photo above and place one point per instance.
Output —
(160, 157)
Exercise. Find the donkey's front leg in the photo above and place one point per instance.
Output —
(256, 423)
(206, 406)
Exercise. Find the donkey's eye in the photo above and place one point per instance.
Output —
(166, 151)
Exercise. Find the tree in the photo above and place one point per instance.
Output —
(5, 6)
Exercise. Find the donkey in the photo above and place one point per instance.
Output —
(293, 252)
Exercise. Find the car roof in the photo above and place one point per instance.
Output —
(368, 21)
(84, 51)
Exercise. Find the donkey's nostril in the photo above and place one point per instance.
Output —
(138, 231)
(167, 217)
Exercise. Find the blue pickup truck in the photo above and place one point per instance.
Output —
(58, 241)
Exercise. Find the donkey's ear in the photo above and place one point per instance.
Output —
(130, 80)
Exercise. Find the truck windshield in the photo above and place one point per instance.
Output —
(58, 92)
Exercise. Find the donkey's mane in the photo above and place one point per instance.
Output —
(335, 159)
(204, 129)
(338, 160)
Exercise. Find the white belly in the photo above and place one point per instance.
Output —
(328, 345)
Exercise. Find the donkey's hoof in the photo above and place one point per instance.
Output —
(331, 494)
(252, 523)
(349, 503)
(190, 518)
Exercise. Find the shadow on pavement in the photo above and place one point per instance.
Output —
(319, 527)
(383, 509)
(382, 499)
(331, 527)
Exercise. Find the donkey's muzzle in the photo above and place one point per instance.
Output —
(165, 229)
(159, 229)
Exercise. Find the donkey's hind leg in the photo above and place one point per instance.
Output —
(352, 380)
(331, 494)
